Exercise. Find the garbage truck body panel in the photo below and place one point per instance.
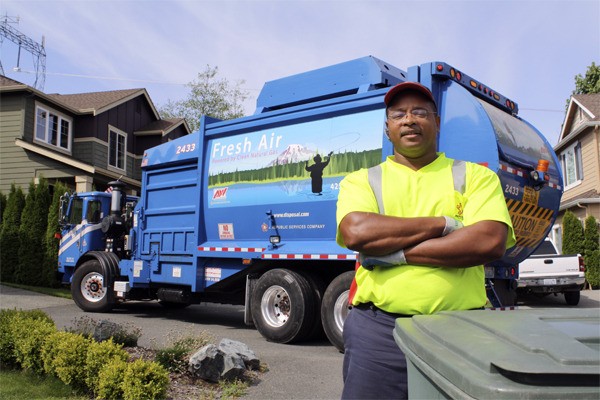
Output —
(243, 211)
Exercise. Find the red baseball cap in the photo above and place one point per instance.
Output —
(404, 86)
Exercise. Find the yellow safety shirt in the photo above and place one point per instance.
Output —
(427, 192)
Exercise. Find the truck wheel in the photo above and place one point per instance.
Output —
(572, 298)
(89, 288)
(318, 287)
(283, 305)
(335, 308)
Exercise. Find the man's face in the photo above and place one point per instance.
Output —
(415, 135)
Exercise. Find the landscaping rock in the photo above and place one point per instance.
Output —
(233, 367)
(207, 363)
(241, 349)
(229, 361)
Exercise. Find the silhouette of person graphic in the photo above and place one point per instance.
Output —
(316, 172)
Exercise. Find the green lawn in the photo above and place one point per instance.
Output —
(57, 292)
(21, 385)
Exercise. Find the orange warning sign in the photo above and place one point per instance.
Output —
(530, 222)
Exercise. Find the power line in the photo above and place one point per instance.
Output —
(110, 78)
(115, 78)
(541, 110)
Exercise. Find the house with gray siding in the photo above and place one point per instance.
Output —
(578, 151)
(84, 140)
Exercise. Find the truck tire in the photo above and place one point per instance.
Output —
(318, 287)
(572, 298)
(335, 308)
(283, 304)
(89, 288)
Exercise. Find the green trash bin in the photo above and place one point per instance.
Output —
(516, 354)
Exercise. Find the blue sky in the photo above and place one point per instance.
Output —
(530, 51)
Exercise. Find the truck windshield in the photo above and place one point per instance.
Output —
(76, 212)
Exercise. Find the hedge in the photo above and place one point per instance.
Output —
(30, 340)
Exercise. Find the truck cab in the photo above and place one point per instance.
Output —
(84, 218)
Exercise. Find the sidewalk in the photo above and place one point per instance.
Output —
(13, 298)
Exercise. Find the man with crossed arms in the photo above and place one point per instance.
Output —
(425, 252)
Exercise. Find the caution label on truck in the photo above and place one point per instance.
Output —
(530, 221)
(530, 195)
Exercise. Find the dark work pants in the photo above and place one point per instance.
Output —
(374, 365)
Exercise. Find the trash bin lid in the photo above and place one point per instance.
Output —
(524, 354)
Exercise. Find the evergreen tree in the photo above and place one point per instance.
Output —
(31, 234)
(50, 242)
(592, 236)
(572, 234)
(2, 207)
(592, 251)
(9, 235)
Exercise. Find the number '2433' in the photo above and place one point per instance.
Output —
(186, 148)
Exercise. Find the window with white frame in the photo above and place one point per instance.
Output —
(572, 166)
(117, 148)
(53, 128)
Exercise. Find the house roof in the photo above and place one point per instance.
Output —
(82, 103)
(6, 82)
(98, 102)
(163, 127)
(590, 105)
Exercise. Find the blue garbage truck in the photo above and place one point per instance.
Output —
(243, 211)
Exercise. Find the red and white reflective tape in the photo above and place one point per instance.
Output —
(279, 256)
(234, 249)
(512, 170)
(522, 174)
(309, 256)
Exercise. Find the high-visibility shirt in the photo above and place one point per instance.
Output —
(427, 192)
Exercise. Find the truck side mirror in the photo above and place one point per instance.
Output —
(63, 209)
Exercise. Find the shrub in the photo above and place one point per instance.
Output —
(29, 330)
(145, 380)
(3, 200)
(50, 241)
(572, 234)
(176, 357)
(64, 355)
(83, 325)
(110, 380)
(592, 268)
(7, 348)
(9, 235)
(98, 355)
(125, 334)
(34, 221)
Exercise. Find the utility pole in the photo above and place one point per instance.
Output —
(24, 42)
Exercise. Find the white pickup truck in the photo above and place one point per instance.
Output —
(546, 271)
